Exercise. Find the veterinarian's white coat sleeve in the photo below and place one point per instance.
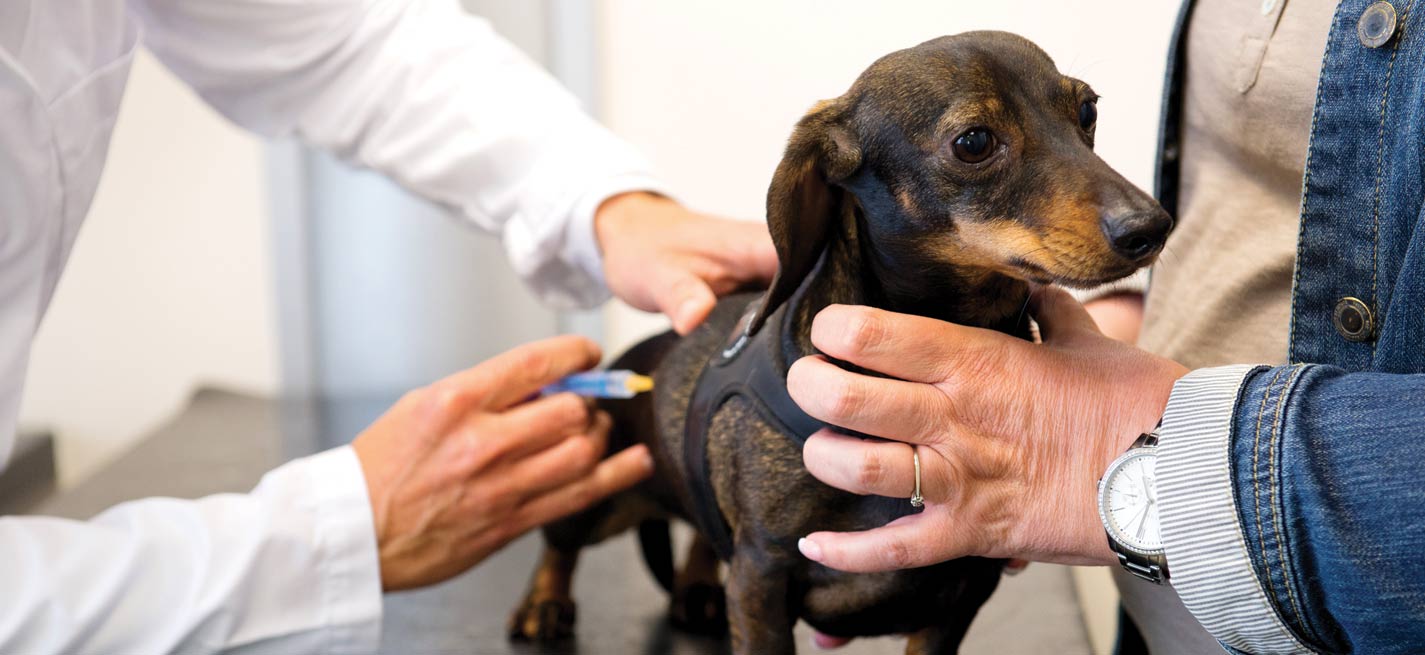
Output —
(289, 568)
(430, 96)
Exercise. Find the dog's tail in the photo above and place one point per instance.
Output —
(655, 539)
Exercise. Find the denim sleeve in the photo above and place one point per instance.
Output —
(1293, 507)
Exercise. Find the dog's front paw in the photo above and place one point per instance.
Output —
(700, 608)
(544, 619)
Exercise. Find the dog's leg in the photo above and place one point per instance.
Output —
(934, 641)
(699, 605)
(944, 638)
(547, 612)
(757, 607)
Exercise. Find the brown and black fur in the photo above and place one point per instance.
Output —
(870, 205)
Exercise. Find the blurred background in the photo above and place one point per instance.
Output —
(213, 258)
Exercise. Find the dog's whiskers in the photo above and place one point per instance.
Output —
(1168, 249)
(1024, 309)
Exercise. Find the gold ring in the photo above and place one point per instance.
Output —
(916, 500)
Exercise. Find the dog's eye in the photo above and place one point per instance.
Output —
(975, 145)
(1088, 114)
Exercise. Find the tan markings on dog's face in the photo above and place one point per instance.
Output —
(987, 152)
(993, 243)
(1074, 249)
(907, 202)
(1067, 246)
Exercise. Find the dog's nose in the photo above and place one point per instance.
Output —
(1137, 236)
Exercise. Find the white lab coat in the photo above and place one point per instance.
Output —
(415, 89)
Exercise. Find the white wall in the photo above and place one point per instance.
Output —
(711, 90)
(169, 284)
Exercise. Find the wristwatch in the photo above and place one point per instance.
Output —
(1128, 507)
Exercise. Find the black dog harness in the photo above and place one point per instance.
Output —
(751, 367)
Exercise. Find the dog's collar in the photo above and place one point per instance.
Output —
(749, 366)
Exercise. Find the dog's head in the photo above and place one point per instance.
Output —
(968, 154)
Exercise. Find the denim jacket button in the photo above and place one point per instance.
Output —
(1353, 320)
(1377, 25)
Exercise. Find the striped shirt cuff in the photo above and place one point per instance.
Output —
(1205, 547)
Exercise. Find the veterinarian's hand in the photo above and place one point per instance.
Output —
(1013, 436)
(457, 469)
(662, 257)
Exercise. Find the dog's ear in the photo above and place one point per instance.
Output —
(803, 204)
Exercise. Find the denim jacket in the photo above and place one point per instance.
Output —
(1293, 498)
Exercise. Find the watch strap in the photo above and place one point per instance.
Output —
(1153, 568)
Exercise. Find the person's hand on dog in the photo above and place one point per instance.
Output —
(458, 469)
(1013, 436)
(661, 257)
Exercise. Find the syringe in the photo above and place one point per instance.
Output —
(602, 384)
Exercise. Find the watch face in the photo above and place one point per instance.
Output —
(1129, 504)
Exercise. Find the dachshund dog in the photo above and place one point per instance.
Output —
(947, 181)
